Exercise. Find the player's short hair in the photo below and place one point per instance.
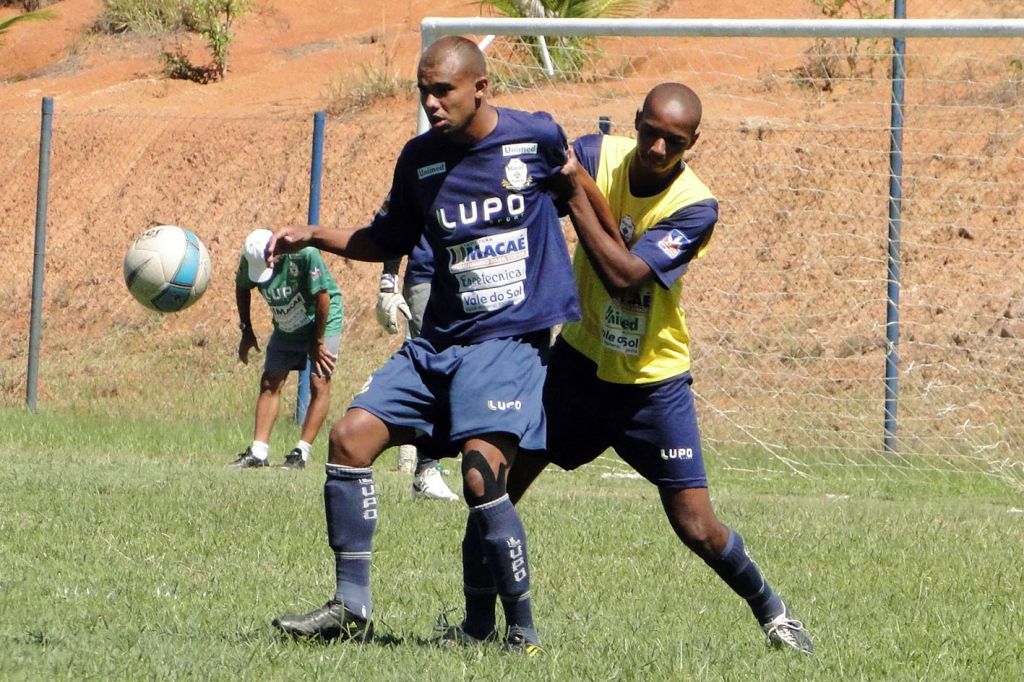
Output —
(471, 59)
(682, 94)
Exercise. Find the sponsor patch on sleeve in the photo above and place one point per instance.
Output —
(432, 169)
(672, 243)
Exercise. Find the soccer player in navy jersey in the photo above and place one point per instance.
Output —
(620, 377)
(477, 185)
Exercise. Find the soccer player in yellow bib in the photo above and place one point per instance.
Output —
(620, 377)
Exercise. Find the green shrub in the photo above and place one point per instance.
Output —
(212, 19)
(346, 95)
(145, 17)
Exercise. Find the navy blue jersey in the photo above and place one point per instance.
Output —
(420, 266)
(501, 265)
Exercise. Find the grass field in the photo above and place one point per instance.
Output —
(128, 551)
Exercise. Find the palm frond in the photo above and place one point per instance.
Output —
(38, 15)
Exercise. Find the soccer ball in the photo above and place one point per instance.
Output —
(167, 268)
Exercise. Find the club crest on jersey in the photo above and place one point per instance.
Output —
(672, 243)
(293, 269)
(432, 169)
(626, 228)
(517, 175)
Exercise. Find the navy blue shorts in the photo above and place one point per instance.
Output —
(494, 386)
(653, 427)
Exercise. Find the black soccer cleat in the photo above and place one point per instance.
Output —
(523, 640)
(247, 460)
(293, 460)
(330, 621)
(448, 635)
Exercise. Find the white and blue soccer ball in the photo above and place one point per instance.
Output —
(167, 268)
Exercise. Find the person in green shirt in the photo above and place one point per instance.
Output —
(308, 314)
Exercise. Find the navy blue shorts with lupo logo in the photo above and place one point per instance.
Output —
(652, 427)
(449, 395)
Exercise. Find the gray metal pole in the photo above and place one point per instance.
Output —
(892, 313)
(39, 261)
(316, 171)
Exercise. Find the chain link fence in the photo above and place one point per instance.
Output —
(787, 309)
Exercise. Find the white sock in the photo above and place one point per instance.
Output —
(260, 450)
(304, 448)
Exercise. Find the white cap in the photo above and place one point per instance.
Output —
(255, 253)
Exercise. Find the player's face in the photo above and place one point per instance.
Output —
(450, 96)
(662, 136)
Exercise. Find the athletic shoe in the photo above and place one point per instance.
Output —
(430, 486)
(523, 640)
(449, 635)
(330, 621)
(247, 460)
(783, 631)
(293, 460)
(407, 458)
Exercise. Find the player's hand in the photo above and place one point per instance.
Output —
(389, 305)
(565, 183)
(247, 343)
(323, 359)
(288, 240)
(571, 167)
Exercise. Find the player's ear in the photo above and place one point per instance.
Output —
(481, 85)
(694, 138)
(636, 119)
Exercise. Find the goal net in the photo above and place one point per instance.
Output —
(788, 310)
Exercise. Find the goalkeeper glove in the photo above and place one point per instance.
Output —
(390, 303)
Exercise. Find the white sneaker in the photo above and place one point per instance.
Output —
(407, 458)
(430, 486)
(785, 632)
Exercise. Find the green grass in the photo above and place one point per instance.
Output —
(128, 551)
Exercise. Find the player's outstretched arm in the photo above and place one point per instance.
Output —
(594, 221)
(351, 243)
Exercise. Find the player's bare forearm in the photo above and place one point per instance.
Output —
(618, 269)
(350, 243)
(322, 310)
(243, 301)
(599, 204)
(598, 230)
(323, 358)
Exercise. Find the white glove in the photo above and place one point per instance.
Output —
(389, 303)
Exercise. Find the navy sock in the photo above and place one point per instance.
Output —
(740, 573)
(504, 547)
(477, 583)
(350, 502)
